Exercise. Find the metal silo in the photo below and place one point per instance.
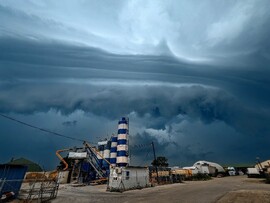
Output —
(106, 155)
(122, 143)
(113, 154)
(101, 152)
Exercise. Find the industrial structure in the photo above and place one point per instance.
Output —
(93, 163)
(122, 143)
(127, 178)
(108, 162)
(113, 151)
(11, 178)
(263, 166)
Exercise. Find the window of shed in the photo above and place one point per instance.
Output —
(127, 175)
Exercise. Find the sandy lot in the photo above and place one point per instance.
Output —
(221, 190)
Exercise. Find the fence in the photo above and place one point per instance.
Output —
(39, 190)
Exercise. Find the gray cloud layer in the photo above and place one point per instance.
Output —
(77, 76)
(191, 30)
(183, 109)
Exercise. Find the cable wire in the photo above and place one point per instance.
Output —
(41, 129)
(145, 158)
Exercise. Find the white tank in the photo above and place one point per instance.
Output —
(122, 143)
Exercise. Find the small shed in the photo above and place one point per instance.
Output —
(128, 178)
(11, 178)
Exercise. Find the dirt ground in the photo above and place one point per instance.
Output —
(256, 196)
(222, 190)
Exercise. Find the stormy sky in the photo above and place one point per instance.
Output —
(192, 76)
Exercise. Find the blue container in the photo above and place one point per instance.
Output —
(13, 176)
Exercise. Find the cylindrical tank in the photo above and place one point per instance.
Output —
(122, 143)
(113, 154)
(106, 155)
(100, 153)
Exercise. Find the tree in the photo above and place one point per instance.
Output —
(161, 161)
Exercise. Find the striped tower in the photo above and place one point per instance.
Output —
(113, 151)
(101, 152)
(106, 155)
(122, 143)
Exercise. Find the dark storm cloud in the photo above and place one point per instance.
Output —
(39, 66)
(160, 102)
(177, 154)
(224, 31)
(197, 85)
(163, 97)
(28, 59)
(69, 123)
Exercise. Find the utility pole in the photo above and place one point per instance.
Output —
(155, 160)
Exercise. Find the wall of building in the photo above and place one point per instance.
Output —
(11, 178)
(128, 178)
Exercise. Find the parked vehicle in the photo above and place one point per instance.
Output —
(232, 171)
(253, 173)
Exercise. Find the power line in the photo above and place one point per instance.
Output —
(41, 129)
(145, 158)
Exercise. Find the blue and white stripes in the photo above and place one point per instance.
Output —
(101, 153)
(113, 154)
(115, 151)
(122, 143)
(106, 155)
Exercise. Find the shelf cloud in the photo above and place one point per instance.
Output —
(192, 76)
